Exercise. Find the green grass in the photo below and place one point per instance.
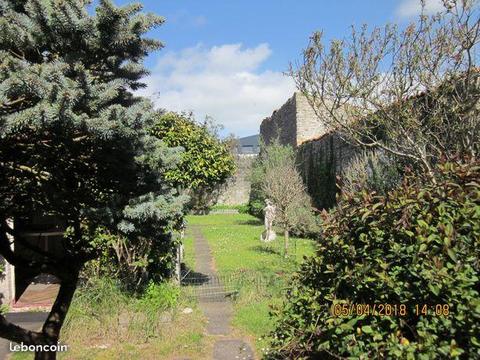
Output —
(189, 251)
(235, 242)
(21, 356)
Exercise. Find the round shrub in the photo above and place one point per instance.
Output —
(418, 245)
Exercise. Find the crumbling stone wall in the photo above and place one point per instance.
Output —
(282, 124)
(309, 125)
(293, 124)
(321, 156)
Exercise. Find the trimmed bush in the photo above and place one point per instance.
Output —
(416, 246)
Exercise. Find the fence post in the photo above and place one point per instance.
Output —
(179, 256)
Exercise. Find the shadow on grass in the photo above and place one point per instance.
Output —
(252, 222)
(264, 249)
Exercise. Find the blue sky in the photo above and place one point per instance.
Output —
(226, 58)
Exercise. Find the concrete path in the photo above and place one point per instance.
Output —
(217, 309)
(27, 320)
(38, 296)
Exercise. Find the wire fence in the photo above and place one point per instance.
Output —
(220, 286)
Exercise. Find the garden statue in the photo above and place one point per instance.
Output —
(269, 234)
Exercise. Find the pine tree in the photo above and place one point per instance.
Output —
(74, 140)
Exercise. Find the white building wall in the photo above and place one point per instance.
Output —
(7, 279)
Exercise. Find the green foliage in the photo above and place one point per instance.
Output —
(206, 160)
(273, 172)
(75, 141)
(4, 308)
(160, 297)
(417, 245)
(272, 156)
(133, 264)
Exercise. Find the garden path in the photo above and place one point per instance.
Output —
(218, 309)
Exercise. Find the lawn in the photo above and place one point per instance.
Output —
(235, 242)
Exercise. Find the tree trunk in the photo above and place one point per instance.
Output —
(286, 236)
(53, 324)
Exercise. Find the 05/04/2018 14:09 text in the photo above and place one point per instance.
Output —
(345, 309)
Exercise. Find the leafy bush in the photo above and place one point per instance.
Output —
(132, 263)
(206, 160)
(418, 245)
(4, 308)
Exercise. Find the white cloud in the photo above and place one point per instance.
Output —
(409, 8)
(224, 82)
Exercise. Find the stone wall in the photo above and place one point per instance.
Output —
(237, 189)
(321, 156)
(309, 125)
(293, 124)
(281, 125)
(320, 161)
